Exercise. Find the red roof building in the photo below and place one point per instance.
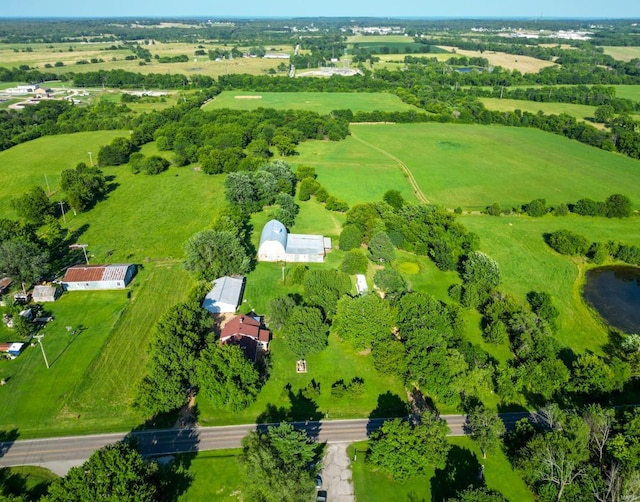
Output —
(248, 333)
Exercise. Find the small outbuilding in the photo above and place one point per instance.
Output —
(248, 333)
(97, 277)
(12, 349)
(225, 296)
(45, 293)
(361, 284)
(5, 284)
(277, 244)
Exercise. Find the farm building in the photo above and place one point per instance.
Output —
(5, 284)
(45, 293)
(248, 333)
(95, 277)
(361, 284)
(225, 296)
(276, 244)
(13, 349)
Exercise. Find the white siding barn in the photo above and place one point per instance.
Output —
(276, 244)
(225, 296)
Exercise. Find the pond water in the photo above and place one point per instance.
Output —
(615, 293)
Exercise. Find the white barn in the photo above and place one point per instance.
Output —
(225, 296)
(276, 244)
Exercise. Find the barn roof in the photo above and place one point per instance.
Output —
(44, 290)
(274, 231)
(305, 244)
(94, 273)
(226, 290)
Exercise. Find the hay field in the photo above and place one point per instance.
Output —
(320, 102)
(580, 112)
(524, 64)
(623, 53)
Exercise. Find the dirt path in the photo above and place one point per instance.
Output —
(336, 474)
(405, 169)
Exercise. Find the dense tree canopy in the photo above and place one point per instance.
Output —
(275, 465)
(115, 472)
(404, 450)
(83, 186)
(227, 378)
(212, 254)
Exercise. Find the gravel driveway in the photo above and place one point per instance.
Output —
(336, 474)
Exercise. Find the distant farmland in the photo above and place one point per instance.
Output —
(321, 102)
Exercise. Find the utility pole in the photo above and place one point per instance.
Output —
(64, 218)
(39, 338)
(90, 158)
(84, 250)
(46, 180)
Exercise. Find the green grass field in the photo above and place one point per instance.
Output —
(216, 476)
(320, 102)
(628, 92)
(28, 482)
(464, 461)
(580, 112)
(473, 166)
(27, 164)
(91, 382)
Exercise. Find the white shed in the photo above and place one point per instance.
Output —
(276, 244)
(225, 296)
(45, 293)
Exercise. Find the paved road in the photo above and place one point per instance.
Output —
(64, 452)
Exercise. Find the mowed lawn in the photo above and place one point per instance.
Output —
(473, 166)
(320, 102)
(463, 463)
(95, 366)
(528, 264)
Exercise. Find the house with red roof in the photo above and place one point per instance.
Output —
(248, 333)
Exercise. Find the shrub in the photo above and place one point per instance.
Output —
(561, 210)
(536, 208)
(335, 204)
(494, 209)
(617, 206)
(355, 262)
(567, 242)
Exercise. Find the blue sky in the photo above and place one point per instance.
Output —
(328, 8)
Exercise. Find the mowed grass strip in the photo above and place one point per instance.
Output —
(109, 383)
(216, 476)
(320, 102)
(473, 166)
(34, 395)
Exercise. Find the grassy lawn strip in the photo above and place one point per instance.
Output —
(463, 464)
(321, 102)
(216, 476)
(34, 395)
(109, 383)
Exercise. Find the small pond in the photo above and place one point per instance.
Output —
(615, 293)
